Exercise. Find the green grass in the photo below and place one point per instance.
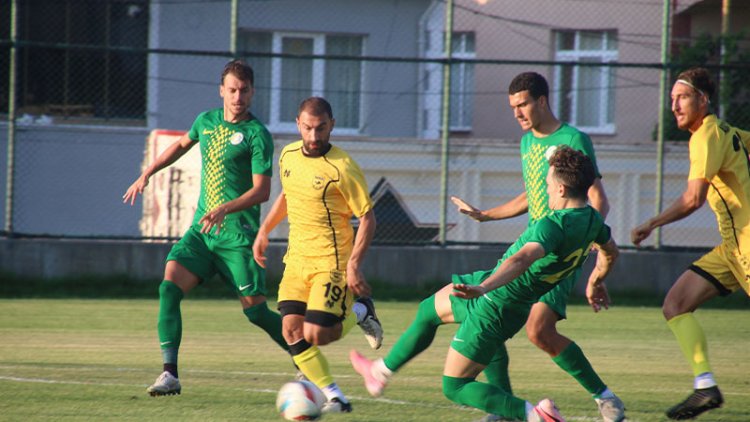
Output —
(91, 359)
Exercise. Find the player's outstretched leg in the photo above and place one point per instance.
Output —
(701, 400)
(370, 323)
(165, 385)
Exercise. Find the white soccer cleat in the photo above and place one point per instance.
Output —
(370, 324)
(546, 411)
(335, 405)
(363, 366)
(611, 408)
(165, 385)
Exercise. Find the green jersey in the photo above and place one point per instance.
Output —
(566, 236)
(536, 164)
(231, 153)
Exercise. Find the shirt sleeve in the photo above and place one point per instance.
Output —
(705, 155)
(353, 187)
(582, 142)
(262, 153)
(604, 235)
(547, 234)
(195, 130)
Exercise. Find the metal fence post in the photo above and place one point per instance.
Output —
(446, 114)
(663, 80)
(11, 119)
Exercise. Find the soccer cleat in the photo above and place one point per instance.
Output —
(364, 367)
(335, 405)
(611, 408)
(370, 324)
(701, 400)
(165, 385)
(548, 412)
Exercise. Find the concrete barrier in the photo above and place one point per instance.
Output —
(642, 271)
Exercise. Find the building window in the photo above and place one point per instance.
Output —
(463, 46)
(585, 95)
(462, 82)
(75, 84)
(281, 83)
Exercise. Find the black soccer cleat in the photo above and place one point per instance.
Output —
(701, 400)
(336, 405)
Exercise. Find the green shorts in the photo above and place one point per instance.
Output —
(462, 307)
(487, 327)
(228, 254)
(557, 298)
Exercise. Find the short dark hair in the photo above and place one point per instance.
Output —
(700, 80)
(240, 69)
(529, 81)
(316, 106)
(574, 170)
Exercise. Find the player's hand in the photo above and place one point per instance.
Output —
(134, 189)
(640, 233)
(465, 208)
(213, 219)
(467, 291)
(597, 295)
(259, 249)
(355, 279)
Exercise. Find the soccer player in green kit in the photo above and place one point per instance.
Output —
(499, 300)
(237, 160)
(528, 96)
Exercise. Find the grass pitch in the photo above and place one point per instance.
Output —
(83, 360)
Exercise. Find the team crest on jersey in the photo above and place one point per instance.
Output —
(317, 182)
(236, 138)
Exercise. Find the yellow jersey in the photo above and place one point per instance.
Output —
(719, 154)
(322, 194)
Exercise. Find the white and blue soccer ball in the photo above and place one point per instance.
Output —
(300, 401)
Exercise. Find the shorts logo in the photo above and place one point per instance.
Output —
(244, 287)
(236, 138)
(457, 339)
(317, 182)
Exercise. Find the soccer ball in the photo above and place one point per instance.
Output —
(300, 401)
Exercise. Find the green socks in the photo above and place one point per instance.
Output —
(491, 399)
(267, 320)
(574, 362)
(169, 324)
(496, 371)
(417, 337)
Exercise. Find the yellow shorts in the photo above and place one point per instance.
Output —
(726, 268)
(323, 289)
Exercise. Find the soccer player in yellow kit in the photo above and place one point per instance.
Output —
(322, 187)
(719, 172)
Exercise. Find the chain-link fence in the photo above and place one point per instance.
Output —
(98, 86)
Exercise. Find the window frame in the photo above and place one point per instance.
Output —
(607, 53)
(275, 122)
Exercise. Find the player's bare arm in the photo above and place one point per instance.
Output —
(598, 198)
(355, 279)
(259, 193)
(511, 268)
(165, 159)
(276, 214)
(690, 200)
(516, 206)
(596, 290)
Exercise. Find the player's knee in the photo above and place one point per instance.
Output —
(452, 388)
(256, 313)
(320, 337)
(170, 293)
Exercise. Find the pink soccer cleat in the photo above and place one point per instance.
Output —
(548, 412)
(364, 367)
